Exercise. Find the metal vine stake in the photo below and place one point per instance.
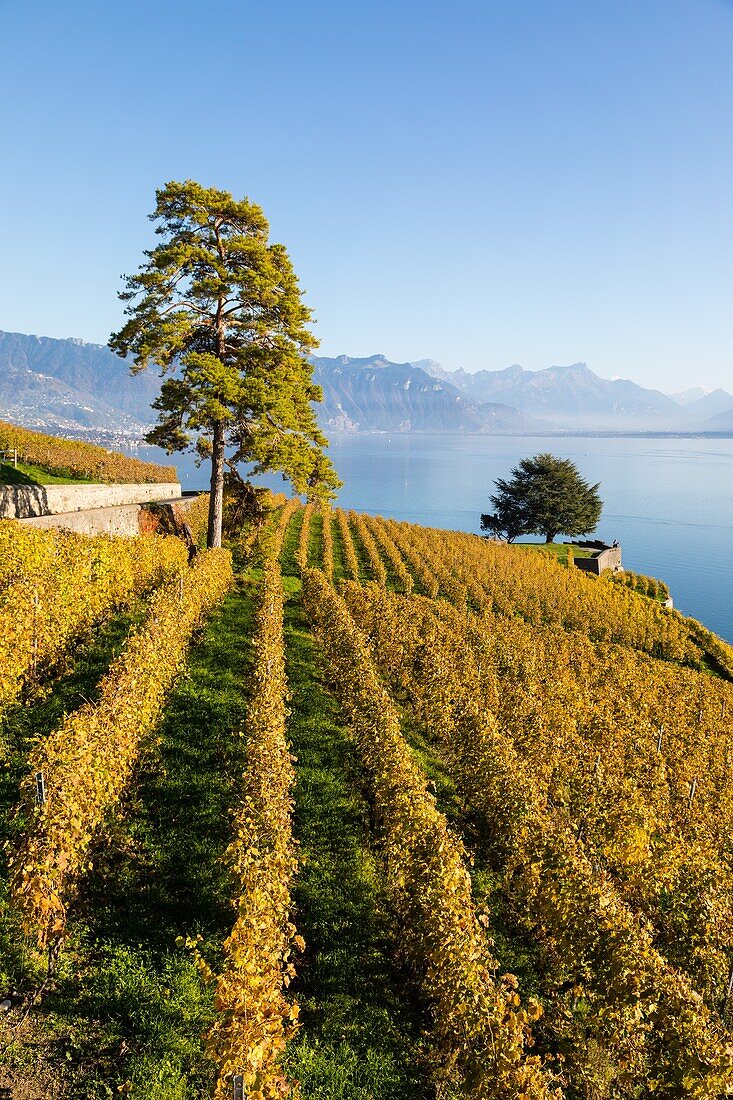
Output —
(40, 790)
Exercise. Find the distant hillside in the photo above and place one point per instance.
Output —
(686, 397)
(723, 422)
(374, 394)
(74, 387)
(68, 384)
(711, 404)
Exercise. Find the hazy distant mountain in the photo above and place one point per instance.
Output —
(710, 404)
(723, 422)
(575, 397)
(374, 394)
(63, 384)
(688, 396)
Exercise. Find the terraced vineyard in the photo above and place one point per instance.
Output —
(426, 816)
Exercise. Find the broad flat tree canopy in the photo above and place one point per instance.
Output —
(219, 310)
(545, 495)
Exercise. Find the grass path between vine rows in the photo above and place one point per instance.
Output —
(127, 1005)
(360, 1035)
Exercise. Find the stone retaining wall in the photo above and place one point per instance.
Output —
(122, 520)
(25, 501)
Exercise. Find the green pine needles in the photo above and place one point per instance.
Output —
(218, 309)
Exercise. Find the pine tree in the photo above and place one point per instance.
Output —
(219, 310)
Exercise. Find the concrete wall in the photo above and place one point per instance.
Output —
(122, 520)
(607, 558)
(24, 501)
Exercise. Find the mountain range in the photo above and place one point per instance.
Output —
(374, 394)
(72, 387)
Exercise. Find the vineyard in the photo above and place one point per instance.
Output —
(73, 459)
(387, 812)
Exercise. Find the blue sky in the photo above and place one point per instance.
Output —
(532, 181)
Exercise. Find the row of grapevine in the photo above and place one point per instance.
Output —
(402, 577)
(373, 557)
(480, 1032)
(415, 563)
(643, 1015)
(55, 586)
(285, 515)
(328, 562)
(647, 586)
(254, 1018)
(720, 652)
(512, 581)
(87, 761)
(197, 518)
(71, 458)
(301, 555)
(416, 549)
(348, 552)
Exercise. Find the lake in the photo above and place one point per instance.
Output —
(668, 501)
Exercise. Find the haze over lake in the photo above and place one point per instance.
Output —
(669, 501)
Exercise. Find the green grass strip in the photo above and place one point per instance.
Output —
(360, 1033)
(128, 1004)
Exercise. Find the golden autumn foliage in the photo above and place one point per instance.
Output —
(55, 586)
(71, 458)
(254, 1018)
(327, 564)
(373, 557)
(301, 555)
(88, 760)
(196, 516)
(403, 577)
(348, 553)
(510, 581)
(646, 1021)
(593, 767)
(277, 535)
(480, 1031)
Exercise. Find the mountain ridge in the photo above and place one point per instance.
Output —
(574, 397)
(74, 386)
(374, 394)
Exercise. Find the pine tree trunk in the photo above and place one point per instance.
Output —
(216, 500)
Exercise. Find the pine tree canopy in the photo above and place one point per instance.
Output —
(545, 495)
(218, 309)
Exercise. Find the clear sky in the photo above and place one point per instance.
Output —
(480, 182)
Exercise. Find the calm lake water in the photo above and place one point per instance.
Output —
(669, 502)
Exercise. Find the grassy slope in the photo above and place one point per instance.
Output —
(26, 474)
(360, 1034)
(556, 550)
(128, 1004)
